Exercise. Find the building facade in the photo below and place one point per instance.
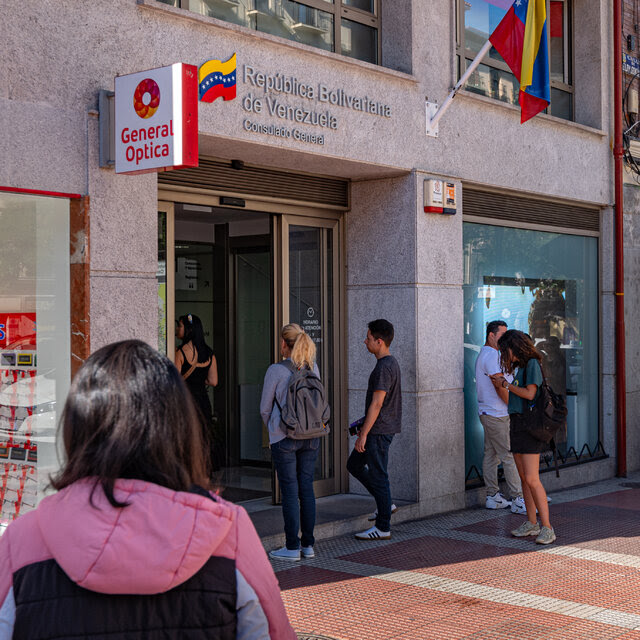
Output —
(308, 206)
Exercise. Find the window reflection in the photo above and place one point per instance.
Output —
(363, 5)
(359, 41)
(34, 345)
(480, 20)
(495, 83)
(284, 18)
(300, 22)
(561, 104)
(545, 284)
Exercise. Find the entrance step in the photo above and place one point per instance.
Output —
(335, 516)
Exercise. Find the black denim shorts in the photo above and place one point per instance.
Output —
(521, 441)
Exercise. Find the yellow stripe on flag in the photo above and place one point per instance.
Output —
(536, 15)
(213, 66)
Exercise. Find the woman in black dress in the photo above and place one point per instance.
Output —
(519, 356)
(198, 367)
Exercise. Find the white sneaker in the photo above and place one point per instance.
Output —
(518, 506)
(498, 501)
(373, 534)
(285, 554)
(374, 515)
(308, 552)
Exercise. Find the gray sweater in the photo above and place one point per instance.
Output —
(276, 382)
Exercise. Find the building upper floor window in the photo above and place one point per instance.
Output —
(349, 27)
(476, 20)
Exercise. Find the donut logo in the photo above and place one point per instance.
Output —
(146, 98)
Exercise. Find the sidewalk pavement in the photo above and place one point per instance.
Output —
(462, 575)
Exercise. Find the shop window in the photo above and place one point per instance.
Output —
(34, 344)
(477, 19)
(349, 27)
(545, 284)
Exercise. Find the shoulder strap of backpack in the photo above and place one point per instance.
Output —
(544, 378)
(287, 364)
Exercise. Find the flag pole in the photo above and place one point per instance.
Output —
(432, 123)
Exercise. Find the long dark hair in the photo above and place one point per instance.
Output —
(516, 349)
(129, 415)
(194, 333)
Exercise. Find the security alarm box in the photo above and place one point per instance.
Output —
(449, 198)
(439, 196)
(433, 196)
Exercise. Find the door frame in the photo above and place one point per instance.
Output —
(283, 215)
(333, 484)
(168, 208)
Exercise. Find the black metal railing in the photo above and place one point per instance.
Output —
(568, 458)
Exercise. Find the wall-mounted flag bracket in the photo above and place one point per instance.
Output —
(434, 114)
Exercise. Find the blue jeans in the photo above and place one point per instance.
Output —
(370, 468)
(295, 462)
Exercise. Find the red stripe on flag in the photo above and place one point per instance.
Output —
(530, 106)
(508, 40)
(219, 90)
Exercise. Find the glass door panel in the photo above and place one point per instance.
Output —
(309, 300)
(222, 273)
(253, 351)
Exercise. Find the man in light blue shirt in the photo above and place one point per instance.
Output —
(494, 416)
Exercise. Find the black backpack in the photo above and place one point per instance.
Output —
(546, 413)
(306, 411)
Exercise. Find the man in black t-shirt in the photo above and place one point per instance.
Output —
(383, 417)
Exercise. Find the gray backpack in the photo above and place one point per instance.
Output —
(306, 412)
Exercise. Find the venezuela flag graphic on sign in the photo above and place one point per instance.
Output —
(217, 79)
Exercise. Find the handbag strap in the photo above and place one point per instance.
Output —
(194, 365)
(524, 380)
(554, 449)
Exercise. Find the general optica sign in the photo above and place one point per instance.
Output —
(157, 119)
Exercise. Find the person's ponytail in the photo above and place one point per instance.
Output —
(303, 349)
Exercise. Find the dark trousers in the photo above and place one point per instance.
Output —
(295, 462)
(370, 468)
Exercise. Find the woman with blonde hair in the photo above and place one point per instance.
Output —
(294, 460)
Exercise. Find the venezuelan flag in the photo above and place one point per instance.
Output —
(217, 79)
(521, 40)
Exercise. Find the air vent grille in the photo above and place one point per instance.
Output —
(218, 175)
(485, 204)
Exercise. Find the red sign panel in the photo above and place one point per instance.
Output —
(17, 330)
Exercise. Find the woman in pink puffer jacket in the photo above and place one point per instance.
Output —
(132, 544)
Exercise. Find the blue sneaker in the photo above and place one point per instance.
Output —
(307, 552)
(286, 554)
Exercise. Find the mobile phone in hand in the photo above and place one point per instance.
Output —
(354, 427)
